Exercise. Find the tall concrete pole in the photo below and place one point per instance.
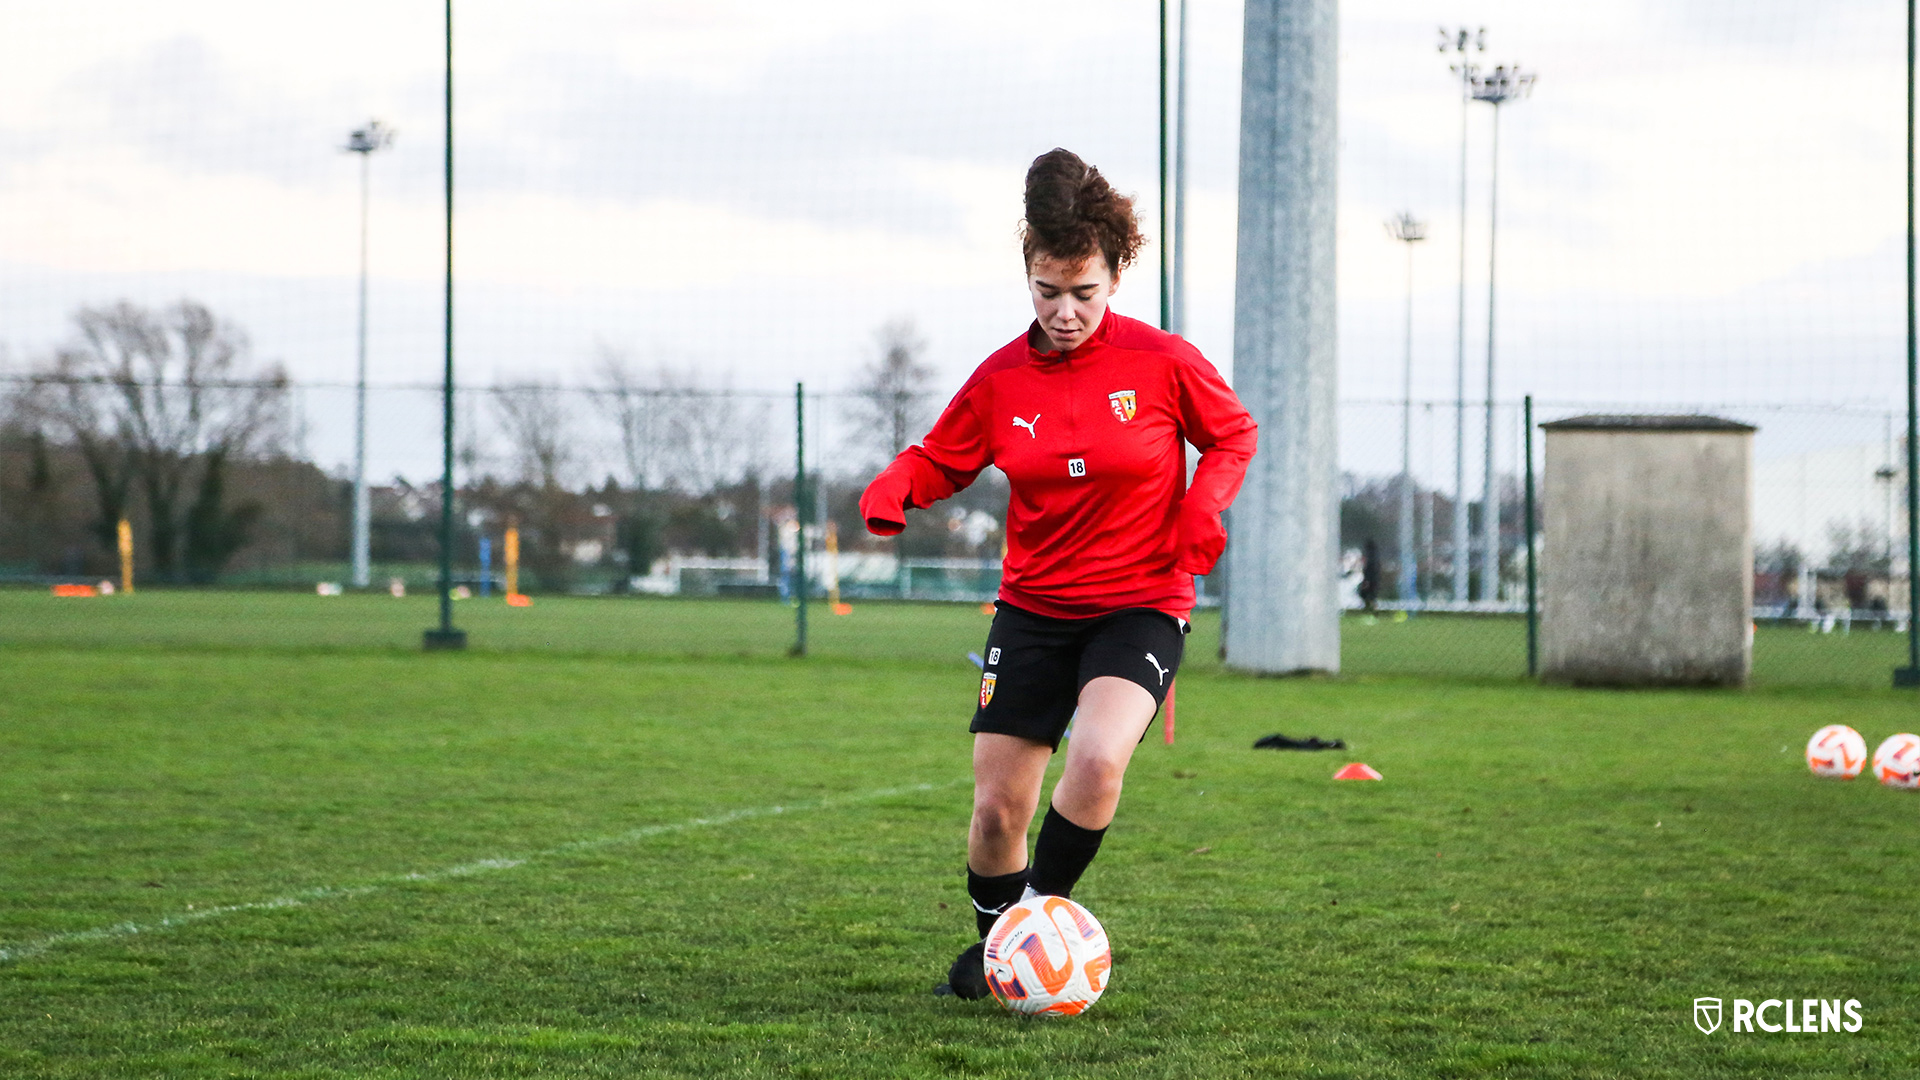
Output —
(1283, 559)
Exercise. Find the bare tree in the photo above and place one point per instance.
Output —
(629, 400)
(163, 401)
(679, 430)
(893, 403)
(717, 435)
(537, 424)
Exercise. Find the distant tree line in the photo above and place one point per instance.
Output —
(145, 415)
(165, 418)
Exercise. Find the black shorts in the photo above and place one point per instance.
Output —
(1036, 666)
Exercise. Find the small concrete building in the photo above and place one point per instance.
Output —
(1647, 557)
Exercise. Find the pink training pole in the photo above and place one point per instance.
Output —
(1167, 725)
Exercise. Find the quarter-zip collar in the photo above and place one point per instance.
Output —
(1084, 349)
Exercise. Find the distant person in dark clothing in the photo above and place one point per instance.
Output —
(1856, 586)
(1370, 576)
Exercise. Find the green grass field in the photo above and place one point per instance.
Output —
(262, 835)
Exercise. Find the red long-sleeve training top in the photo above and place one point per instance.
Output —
(1094, 443)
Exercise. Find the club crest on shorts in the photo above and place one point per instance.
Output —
(986, 688)
(1124, 404)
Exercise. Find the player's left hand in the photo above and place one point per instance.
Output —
(1200, 538)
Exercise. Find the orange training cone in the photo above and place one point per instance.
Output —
(1359, 770)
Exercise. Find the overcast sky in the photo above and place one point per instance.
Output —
(1701, 203)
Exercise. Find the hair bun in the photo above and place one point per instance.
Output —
(1072, 213)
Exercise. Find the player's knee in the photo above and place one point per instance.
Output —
(999, 818)
(1100, 775)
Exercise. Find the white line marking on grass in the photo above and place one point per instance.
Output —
(29, 949)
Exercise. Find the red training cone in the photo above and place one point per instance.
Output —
(1359, 770)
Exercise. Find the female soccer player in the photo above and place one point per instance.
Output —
(1088, 413)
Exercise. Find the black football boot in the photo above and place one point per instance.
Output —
(967, 978)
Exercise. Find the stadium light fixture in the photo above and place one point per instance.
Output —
(1460, 45)
(365, 141)
(1408, 230)
(1498, 87)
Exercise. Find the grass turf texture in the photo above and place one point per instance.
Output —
(1540, 888)
(1449, 646)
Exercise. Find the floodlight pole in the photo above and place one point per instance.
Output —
(446, 637)
(1909, 676)
(800, 519)
(363, 141)
(1489, 489)
(1408, 231)
(1502, 85)
(1459, 42)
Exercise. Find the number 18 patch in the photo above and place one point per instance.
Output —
(986, 688)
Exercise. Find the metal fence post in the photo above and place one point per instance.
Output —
(446, 637)
(1533, 601)
(800, 518)
(1909, 676)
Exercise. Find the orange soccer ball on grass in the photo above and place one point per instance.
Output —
(1836, 752)
(1047, 956)
(1897, 762)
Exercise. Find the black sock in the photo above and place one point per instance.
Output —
(993, 895)
(1062, 853)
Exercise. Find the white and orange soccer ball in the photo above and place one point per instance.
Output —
(1897, 762)
(1048, 956)
(1836, 751)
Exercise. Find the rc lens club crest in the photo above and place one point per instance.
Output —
(1124, 404)
(986, 688)
(1798, 1015)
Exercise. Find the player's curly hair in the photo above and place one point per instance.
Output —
(1072, 212)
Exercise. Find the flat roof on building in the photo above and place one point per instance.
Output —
(1647, 422)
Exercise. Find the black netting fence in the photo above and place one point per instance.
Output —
(666, 217)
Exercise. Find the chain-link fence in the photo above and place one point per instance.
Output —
(1828, 519)
(665, 219)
